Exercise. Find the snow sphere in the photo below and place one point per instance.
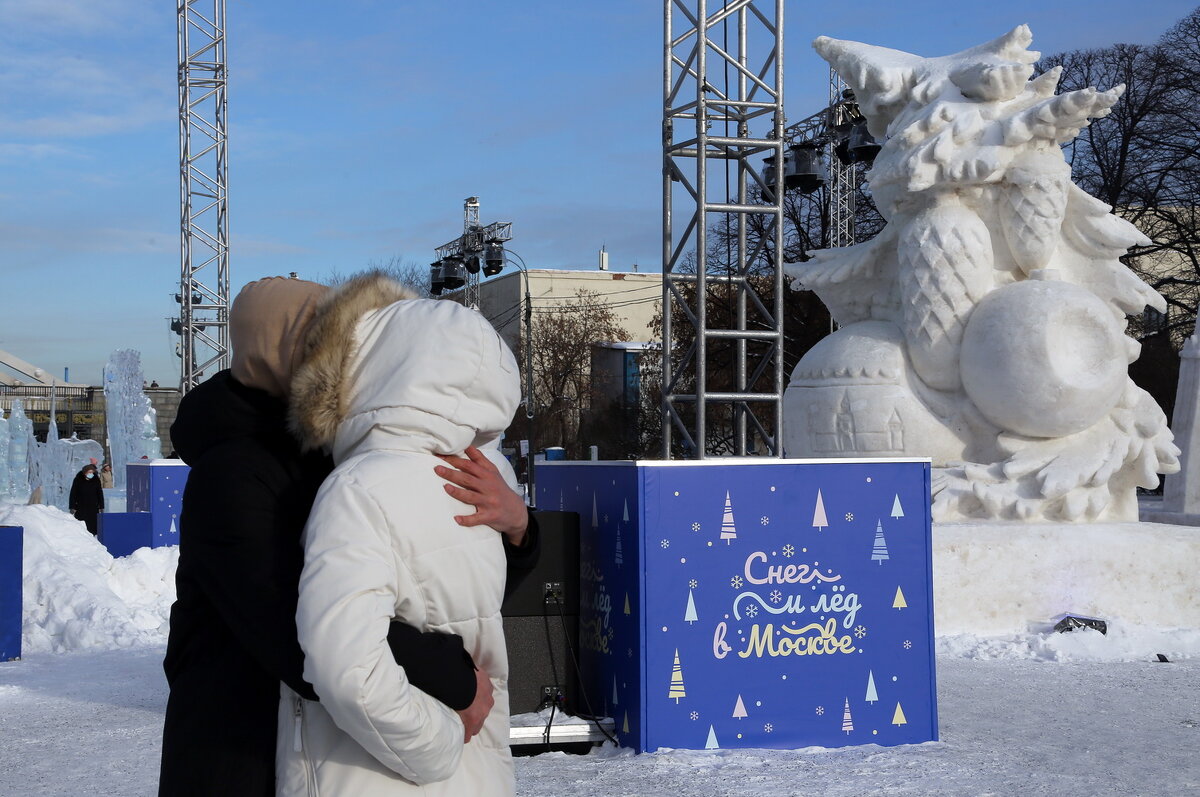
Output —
(1043, 358)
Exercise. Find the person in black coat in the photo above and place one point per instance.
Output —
(233, 630)
(86, 501)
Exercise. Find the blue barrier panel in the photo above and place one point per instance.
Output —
(12, 540)
(156, 486)
(773, 603)
(122, 533)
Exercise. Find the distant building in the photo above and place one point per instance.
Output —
(635, 297)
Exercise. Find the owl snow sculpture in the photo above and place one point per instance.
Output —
(984, 326)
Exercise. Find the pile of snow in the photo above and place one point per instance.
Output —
(77, 596)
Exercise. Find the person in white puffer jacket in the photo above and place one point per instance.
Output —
(386, 386)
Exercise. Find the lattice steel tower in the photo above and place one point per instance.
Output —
(707, 121)
(203, 323)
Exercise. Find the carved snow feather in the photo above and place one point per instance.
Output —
(945, 269)
(1032, 206)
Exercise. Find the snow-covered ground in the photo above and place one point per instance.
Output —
(1028, 713)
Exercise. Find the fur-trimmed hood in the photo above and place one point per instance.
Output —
(385, 370)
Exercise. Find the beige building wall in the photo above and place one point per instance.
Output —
(635, 297)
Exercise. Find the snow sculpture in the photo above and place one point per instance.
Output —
(983, 327)
(20, 437)
(132, 421)
(1182, 490)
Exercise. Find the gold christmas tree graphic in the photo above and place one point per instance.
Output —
(898, 717)
(676, 691)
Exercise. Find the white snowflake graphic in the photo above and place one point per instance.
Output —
(820, 710)
(693, 583)
(751, 611)
(789, 551)
(849, 516)
(695, 715)
(695, 527)
(768, 727)
(629, 652)
(606, 518)
(736, 582)
(860, 631)
(776, 596)
(766, 521)
(907, 644)
(664, 543)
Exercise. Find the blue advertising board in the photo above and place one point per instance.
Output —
(156, 486)
(122, 533)
(12, 543)
(763, 603)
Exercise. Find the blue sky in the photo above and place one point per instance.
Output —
(357, 128)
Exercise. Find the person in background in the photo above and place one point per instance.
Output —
(106, 476)
(233, 630)
(86, 501)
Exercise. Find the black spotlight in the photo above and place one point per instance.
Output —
(493, 259)
(861, 145)
(454, 274)
(805, 169)
(472, 263)
(436, 282)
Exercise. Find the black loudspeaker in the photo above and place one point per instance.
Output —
(541, 622)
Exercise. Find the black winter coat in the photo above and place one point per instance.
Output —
(86, 500)
(233, 627)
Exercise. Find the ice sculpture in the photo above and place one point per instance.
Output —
(132, 421)
(983, 327)
(1182, 491)
(20, 436)
(5, 487)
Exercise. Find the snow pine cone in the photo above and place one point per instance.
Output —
(945, 257)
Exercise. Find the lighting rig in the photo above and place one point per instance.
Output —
(479, 248)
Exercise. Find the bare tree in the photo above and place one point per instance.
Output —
(561, 354)
(1144, 161)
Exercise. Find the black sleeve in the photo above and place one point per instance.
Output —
(522, 561)
(435, 663)
(73, 498)
(244, 554)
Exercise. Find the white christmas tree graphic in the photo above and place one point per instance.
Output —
(689, 614)
(897, 510)
(711, 744)
(819, 520)
(739, 708)
(899, 602)
(676, 690)
(728, 530)
(173, 529)
(880, 551)
(625, 512)
(898, 717)
(872, 695)
(847, 723)
(595, 518)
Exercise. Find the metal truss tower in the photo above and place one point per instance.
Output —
(203, 323)
(843, 175)
(707, 121)
(464, 252)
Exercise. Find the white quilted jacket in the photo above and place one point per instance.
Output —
(381, 543)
